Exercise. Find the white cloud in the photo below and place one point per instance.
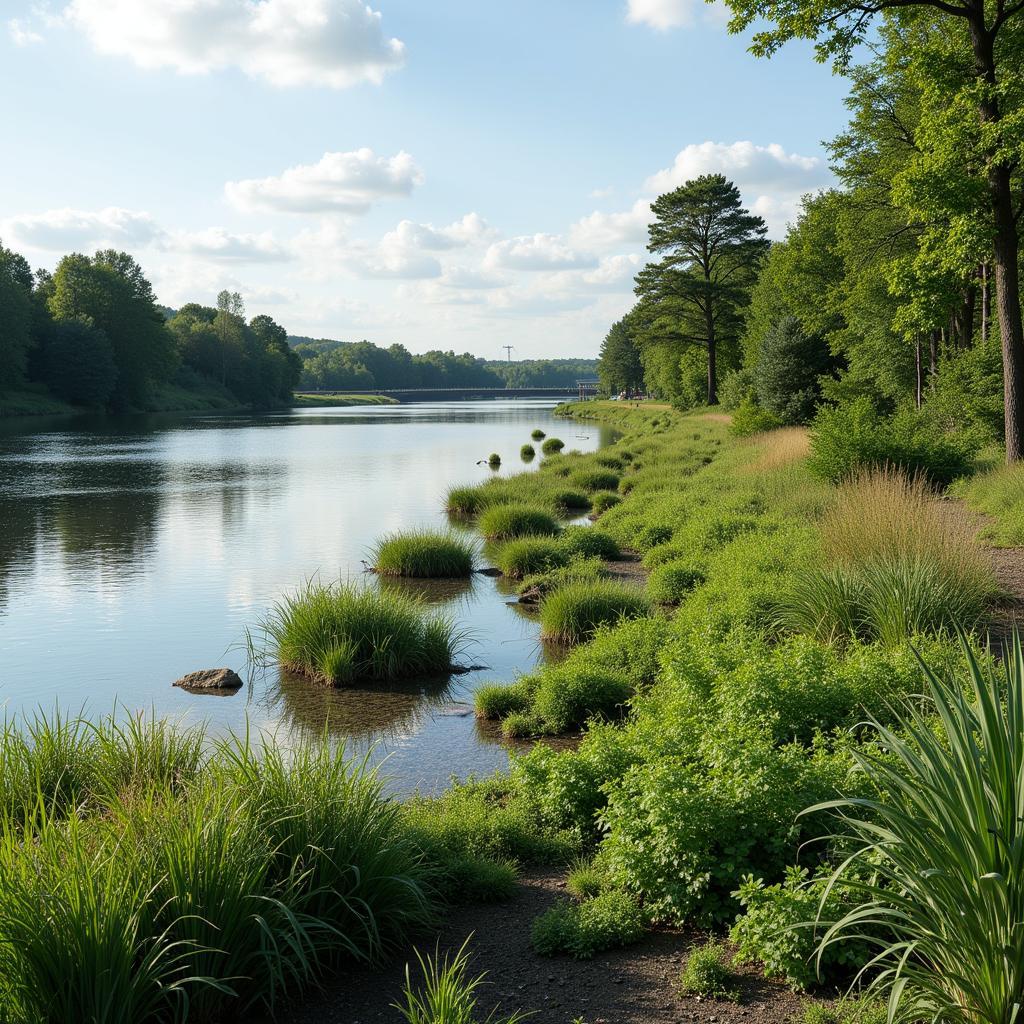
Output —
(601, 193)
(663, 14)
(218, 244)
(469, 230)
(67, 229)
(339, 182)
(334, 43)
(22, 33)
(536, 252)
(614, 272)
(474, 280)
(603, 231)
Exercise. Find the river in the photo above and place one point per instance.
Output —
(135, 550)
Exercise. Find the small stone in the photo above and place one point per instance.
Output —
(211, 679)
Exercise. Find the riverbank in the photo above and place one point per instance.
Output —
(309, 401)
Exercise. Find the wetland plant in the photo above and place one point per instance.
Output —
(528, 555)
(342, 632)
(494, 460)
(573, 613)
(527, 453)
(504, 522)
(538, 434)
(426, 554)
(552, 446)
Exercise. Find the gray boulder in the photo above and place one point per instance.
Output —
(220, 680)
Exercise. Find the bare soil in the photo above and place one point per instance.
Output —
(628, 986)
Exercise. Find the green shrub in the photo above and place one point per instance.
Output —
(520, 724)
(734, 388)
(498, 700)
(494, 459)
(998, 493)
(527, 453)
(570, 501)
(749, 418)
(537, 435)
(423, 553)
(595, 479)
(588, 542)
(530, 555)
(671, 582)
(855, 436)
(615, 462)
(586, 879)
(651, 536)
(337, 633)
(566, 697)
(604, 500)
(608, 921)
(552, 446)
(707, 972)
(573, 613)
(503, 522)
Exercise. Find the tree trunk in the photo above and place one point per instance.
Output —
(967, 316)
(919, 383)
(709, 320)
(986, 299)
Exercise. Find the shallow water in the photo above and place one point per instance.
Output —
(132, 552)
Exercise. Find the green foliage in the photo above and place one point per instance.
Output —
(854, 436)
(504, 522)
(537, 434)
(999, 493)
(338, 633)
(448, 995)
(749, 418)
(423, 553)
(787, 371)
(671, 581)
(707, 972)
(578, 570)
(736, 387)
(527, 453)
(604, 500)
(619, 367)
(573, 613)
(494, 459)
(552, 446)
(595, 480)
(565, 697)
(499, 700)
(530, 556)
(588, 542)
(608, 921)
(15, 316)
(78, 363)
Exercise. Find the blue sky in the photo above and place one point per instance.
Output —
(446, 174)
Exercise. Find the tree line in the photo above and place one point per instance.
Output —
(899, 288)
(92, 333)
(342, 366)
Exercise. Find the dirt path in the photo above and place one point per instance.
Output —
(631, 986)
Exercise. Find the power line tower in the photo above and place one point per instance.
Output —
(509, 349)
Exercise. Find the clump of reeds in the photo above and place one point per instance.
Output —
(427, 554)
(573, 613)
(505, 522)
(338, 633)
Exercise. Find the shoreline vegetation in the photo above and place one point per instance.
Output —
(705, 718)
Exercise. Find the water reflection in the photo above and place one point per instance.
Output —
(138, 550)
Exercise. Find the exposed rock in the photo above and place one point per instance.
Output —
(211, 680)
(491, 571)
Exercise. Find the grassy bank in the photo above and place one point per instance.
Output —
(33, 400)
(307, 401)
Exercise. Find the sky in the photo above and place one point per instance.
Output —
(454, 174)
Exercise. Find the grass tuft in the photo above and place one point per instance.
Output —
(504, 522)
(573, 613)
(707, 973)
(527, 453)
(552, 446)
(429, 554)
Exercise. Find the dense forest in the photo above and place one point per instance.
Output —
(891, 297)
(91, 334)
(341, 366)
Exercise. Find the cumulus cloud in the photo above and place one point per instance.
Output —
(339, 182)
(65, 229)
(22, 32)
(614, 272)
(536, 252)
(469, 230)
(218, 244)
(601, 231)
(335, 43)
(663, 14)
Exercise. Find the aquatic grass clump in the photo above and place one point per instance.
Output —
(338, 633)
(527, 453)
(426, 554)
(552, 446)
(528, 555)
(464, 500)
(537, 585)
(504, 522)
(493, 460)
(589, 542)
(538, 434)
(604, 500)
(573, 613)
(672, 581)
(568, 501)
(567, 696)
(595, 479)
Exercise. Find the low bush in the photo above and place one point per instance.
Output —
(573, 613)
(854, 436)
(538, 434)
(527, 453)
(504, 522)
(671, 582)
(604, 500)
(567, 696)
(423, 553)
(531, 555)
(608, 921)
(707, 973)
(588, 542)
(749, 418)
(595, 479)
(499, 700)
(586, 879)
(651, 536)
(552, 446)
(337, 633)
(494, 459)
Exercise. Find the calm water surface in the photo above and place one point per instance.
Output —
(132, 552)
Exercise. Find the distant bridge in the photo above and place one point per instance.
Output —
(581, 389)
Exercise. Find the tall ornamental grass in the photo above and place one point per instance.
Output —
(896, 562)
(425, 554)
(342, 632)
(938, 856)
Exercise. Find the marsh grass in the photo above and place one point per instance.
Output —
(897, 561)
(552, 446)
(426, 554)
(604, 500)
(588, 542)
(998, 493)
(538, 434)
(527, 556)
(527, 453)
(505, 522)
(573, 613)
(595, 479)
(343, 632)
